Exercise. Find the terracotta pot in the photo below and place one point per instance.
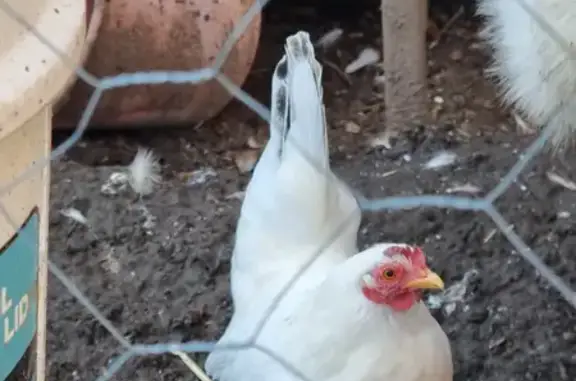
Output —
(134, 35)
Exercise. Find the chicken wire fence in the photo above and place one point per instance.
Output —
(485, 204)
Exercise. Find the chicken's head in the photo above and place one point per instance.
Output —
(399, 278)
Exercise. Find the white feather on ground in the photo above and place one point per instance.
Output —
(559, 180)
(367, 57)
(199, 176)
(441, 159)
(449, 298)
(75, 215)
(330, 38)
(464, 188)
(144, 172)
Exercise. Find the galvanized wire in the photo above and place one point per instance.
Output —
(100, 85)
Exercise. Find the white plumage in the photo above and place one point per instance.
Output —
(536, 70)
(144, 172)
(323, 326)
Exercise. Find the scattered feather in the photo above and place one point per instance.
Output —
(559, 180)
(111, 264)
(329, 38)
(75, 215)
(144, 172)
(246, 160)
(441, 159)
(367, 57)
(117, 182)
(465, 188)
(453, 295)
(387, 174)
(495, 343)
(434, 302)
(197, 177)
(149, 219)
(239, 195)
(564, 214)
(379, 175)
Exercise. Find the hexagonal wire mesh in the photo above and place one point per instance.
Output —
(392, 203)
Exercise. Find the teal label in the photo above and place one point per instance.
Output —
(18, 294)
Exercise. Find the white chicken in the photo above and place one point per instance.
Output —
(349, 316)
(535, 59)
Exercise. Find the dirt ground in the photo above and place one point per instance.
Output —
(158, 269)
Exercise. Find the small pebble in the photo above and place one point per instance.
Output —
(352, 127)
(380, 80)
(459, 99)
(245, 160)
(488, 104)
(477, 316)
(456, 55)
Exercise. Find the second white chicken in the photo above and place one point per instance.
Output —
(535, 60)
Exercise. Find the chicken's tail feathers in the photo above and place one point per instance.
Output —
(280, 106)
(259, 189)
(289, 190)
(305, 133)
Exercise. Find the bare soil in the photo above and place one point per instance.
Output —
(165, 278)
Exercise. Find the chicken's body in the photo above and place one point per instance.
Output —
(323, 326)
(535, 64)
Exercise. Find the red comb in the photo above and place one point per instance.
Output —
(413, 253)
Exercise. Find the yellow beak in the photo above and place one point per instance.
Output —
(430, 280)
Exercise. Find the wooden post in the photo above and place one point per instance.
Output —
(405, 64)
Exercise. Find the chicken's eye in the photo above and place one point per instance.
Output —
(389, 274)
